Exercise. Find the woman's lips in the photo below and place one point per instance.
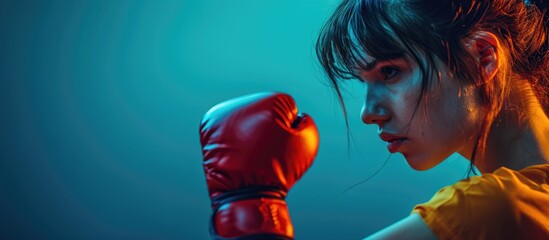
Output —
(394, 141)
(394, 145)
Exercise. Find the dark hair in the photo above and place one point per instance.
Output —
(426, 30)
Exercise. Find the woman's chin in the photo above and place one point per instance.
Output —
(420, 164)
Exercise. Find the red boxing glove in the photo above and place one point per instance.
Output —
(255, 148)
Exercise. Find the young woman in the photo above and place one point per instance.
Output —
(455, 76)
(439, 77)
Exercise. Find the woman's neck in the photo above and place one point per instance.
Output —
(519, 136)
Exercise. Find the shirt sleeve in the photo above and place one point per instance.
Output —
(481, 207)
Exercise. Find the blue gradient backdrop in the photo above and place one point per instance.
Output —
(100, 106)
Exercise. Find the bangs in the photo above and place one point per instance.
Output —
(356, 28)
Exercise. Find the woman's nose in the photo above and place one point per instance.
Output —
(372, 113)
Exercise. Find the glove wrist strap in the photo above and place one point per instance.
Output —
(247, 193)
(251, 213)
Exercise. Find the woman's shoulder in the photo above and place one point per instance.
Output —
(538, 174)
(501, 189)
(503, 182)
(535, 177)
(509, 199)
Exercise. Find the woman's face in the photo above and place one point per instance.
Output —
(446, 120)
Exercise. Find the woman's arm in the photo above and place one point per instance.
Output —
(411, 227)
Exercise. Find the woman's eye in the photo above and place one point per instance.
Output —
(389, 72)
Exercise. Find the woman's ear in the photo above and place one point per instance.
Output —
(484, 47)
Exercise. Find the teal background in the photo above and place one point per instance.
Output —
(100, 106)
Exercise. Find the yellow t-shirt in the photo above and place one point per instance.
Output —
(505, 204)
